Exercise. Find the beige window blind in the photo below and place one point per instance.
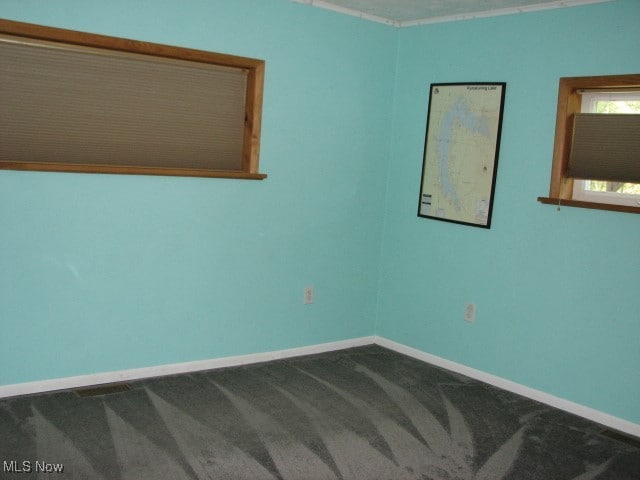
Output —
(103, 104)
(605, 147)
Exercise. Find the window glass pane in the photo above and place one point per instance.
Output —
(609, 192)
(615, 187)
(617, 106)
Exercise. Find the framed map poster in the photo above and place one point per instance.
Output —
(459, 166)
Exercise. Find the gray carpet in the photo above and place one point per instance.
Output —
(362, 413)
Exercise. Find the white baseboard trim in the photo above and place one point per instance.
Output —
(186, 367)
(597, 416)
(80, 381)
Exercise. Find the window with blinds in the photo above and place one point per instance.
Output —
(596, 161)
(80, 102)
(604, 160)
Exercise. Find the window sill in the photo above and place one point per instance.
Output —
(120, 170)
(581, 204)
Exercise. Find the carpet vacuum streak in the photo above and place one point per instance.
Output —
(363, 413)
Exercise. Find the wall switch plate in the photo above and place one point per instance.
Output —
(470, 312)
(309, 294)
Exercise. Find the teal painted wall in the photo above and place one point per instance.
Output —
(102, 272)
(557, 293)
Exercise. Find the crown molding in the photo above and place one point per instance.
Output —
(448, 18)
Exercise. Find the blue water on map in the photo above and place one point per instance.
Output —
(475, 123)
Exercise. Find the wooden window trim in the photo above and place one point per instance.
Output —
(569, 103)
(253, 105)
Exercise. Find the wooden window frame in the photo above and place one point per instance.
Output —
(569, 103)
(254, 69)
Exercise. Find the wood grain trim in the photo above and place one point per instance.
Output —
(126, 170)
(72, 37)
(253, 118)
(568, 104)
(562, 202)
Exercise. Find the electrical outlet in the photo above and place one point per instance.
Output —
(309, 294)
(470, 312)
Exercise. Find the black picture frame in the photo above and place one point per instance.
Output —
(461, 149)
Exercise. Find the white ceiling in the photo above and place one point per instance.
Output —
(403, 13)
